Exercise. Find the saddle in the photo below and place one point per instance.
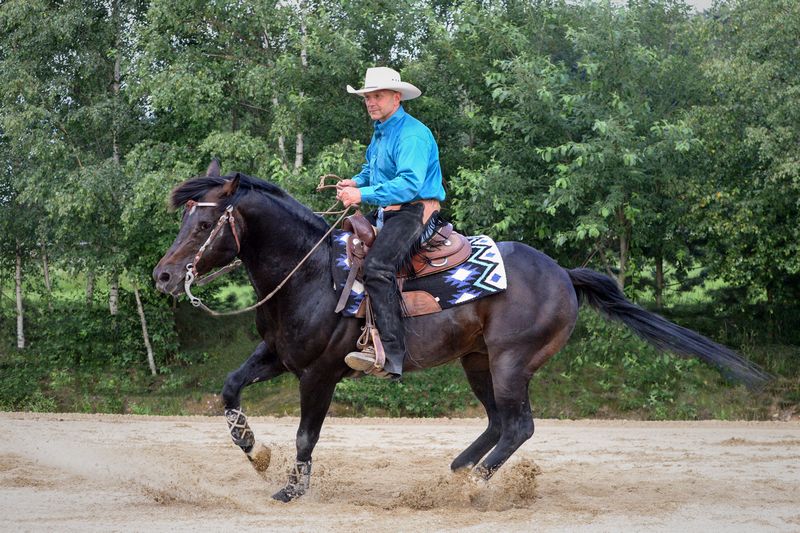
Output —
(444, 250)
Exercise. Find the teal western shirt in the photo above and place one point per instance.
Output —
(402, 163)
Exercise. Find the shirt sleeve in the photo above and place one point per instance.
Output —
(412, 155)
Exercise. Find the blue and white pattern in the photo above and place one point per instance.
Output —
(483, 274)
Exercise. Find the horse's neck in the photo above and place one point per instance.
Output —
(276, 240)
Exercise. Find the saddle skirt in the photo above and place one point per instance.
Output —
(456, 270)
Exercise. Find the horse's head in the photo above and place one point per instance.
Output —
(210, 231)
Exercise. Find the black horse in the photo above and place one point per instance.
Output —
(500, 340)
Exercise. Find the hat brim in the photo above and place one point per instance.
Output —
(406, 90)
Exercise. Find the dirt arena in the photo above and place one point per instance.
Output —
(63, 472)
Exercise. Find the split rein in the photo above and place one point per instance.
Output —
(227, 218)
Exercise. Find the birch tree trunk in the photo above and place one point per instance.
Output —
(113, 294)
(298, 143)
(281, 137)
(46, 271)
(113, 290)
(20, 321)
(145, 335)
(298, 149)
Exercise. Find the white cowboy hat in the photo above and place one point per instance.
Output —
(378, 78)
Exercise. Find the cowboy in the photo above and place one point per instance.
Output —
(403, 177)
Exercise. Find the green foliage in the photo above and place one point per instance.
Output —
(634, 138)
(437, 392)
(74, 335)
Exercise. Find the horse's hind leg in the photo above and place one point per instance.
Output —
(510, 385)
(476, 367)
(260, 366)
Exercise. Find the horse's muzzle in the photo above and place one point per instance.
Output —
(169, 279)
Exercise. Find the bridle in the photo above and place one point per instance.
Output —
(191, 268)
(228, 218)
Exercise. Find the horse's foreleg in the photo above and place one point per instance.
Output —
(316, 393)
(260, 366)
(476, 368)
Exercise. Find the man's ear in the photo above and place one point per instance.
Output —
(213, 169)
(230, 186)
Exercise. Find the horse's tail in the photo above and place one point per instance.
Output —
(603, 293)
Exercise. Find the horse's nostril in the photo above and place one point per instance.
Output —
(164, 277)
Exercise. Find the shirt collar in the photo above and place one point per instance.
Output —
(396, 116)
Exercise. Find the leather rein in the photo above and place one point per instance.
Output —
(228, 218)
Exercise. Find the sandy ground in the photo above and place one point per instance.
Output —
(101, 472)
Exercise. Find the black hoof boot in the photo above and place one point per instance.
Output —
(299, 480)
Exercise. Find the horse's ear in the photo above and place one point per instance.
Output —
(230, 186)
(213, 169)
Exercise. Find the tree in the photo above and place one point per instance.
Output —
(746, 204)
(606, 121)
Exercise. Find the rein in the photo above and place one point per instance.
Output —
(228, 218)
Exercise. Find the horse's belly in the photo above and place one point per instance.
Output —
(438, 338)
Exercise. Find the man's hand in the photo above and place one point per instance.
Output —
(349, 195)
(345, 183)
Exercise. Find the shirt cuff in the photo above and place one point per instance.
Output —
(368, 195)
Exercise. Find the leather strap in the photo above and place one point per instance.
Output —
(351, 279)
(429, 207)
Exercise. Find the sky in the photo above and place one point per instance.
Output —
(699, 5)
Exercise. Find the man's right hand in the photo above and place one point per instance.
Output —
(345, 183)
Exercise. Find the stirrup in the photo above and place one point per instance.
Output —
(363, 361)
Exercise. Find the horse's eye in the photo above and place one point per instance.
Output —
(204, 225)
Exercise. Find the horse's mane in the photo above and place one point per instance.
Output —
(196, 188)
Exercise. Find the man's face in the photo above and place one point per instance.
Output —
(381, 104)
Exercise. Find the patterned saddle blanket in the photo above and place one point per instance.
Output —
(482, 274)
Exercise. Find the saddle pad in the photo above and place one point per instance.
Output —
(483, 274)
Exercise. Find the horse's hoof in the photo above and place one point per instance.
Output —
(260, 457)
(285, 495)
(458, 466)
(479, 476)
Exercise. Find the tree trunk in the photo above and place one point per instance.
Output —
(281, 137)
(659, 281)
(299, 144)
(113, 294)
(20, 321)
(298, 150)
(145, 335)
(48, 286)
(90, 287)
(113, 290)
(117, 83)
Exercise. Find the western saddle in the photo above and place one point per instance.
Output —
(443, 251)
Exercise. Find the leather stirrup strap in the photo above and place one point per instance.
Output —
(380, 354)
(348, 285)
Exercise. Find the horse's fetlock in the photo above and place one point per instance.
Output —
(299, 481)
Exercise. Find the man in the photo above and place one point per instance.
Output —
(403, 177)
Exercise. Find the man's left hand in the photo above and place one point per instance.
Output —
(349, 196)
